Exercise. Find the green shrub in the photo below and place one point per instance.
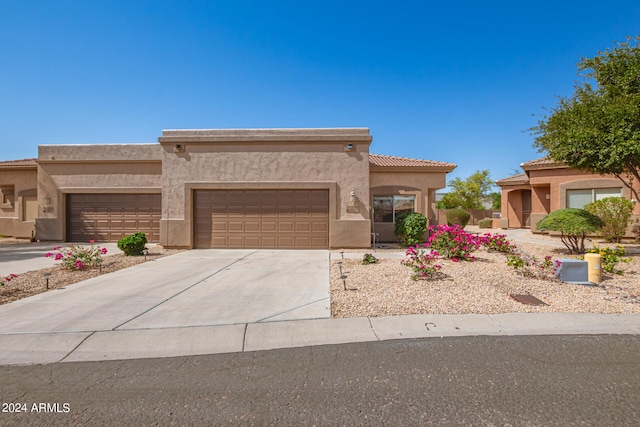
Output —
(615, 212)
(458, 216)
(134, 244)
(410, 228)
(76, 257)
(497, 243)
(369, 259)
(573, 224)
(485, 223)
(452, 242)
(609, 257)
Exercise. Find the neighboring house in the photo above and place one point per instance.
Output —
(18, 198)
(546, 186)
(231, 188)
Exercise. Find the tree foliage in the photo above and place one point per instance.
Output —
(615, 212)
(574, 226)
(458, 216)
(598, 128)
(469, 193)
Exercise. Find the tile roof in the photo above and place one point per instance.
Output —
(540, 163)
(382, 160)
(25, 163)
(520, 178)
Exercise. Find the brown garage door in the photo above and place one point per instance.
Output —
(109, 217)
(276, 219)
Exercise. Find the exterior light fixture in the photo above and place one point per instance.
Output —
(352, 196)
(46, 275)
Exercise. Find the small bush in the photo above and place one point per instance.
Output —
(530, 266)
(610, 257)
(78, 257)
(133, 245)
(422, 262)
(458, 216)
(485, 223)
(497, 243)
(410, 228)
(369, 259)
(615, 213)
(574, 226)
(452, 242)
(5, 280)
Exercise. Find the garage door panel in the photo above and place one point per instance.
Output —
(261, 218)
(219, 242)
(302, 226)
(269, 226)
(320, 227)
(252, 241)
(217, 225)
(285, 226)
(252, 226)
(235, 241)
(109, 217)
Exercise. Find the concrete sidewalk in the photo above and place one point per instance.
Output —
(42, 348)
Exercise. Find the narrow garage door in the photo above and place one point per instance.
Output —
(109, 217)
(275, 219)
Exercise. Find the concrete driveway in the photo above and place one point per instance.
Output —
(191, 288)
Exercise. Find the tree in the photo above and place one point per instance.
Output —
(615, 212)
(574, 226)
(470, 193)
(598, 128)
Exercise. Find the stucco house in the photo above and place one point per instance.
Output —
(226, 188)
(546, 186)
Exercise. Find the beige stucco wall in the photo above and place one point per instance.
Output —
(12, 216)
(267, 159)
(99, 168)
(420, 182)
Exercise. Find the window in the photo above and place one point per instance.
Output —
(386, 208)
(578, 198)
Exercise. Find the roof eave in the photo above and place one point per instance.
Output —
(445, 169)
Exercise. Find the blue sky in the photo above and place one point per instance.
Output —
(459, 82)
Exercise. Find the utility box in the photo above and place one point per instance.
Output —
(594, 261)
(573, 271)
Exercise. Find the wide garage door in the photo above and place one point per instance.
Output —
(276, 219)
(109, 217)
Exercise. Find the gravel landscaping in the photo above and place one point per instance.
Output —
(386, 288)
(33, 282)
(482, 286)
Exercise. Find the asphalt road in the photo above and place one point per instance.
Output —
(520, 381)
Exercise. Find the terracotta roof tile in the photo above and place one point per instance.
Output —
(541, 163)
(520, 178)
(382, 160)
(18, 163)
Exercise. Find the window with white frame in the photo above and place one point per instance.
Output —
(387, 208)
(578, 198)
